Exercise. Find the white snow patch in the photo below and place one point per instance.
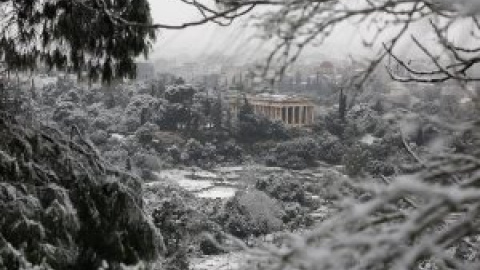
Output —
(465, 100)
(368, 139)
(229, 261)
(218, 192)
(183, 179)
(117, 136)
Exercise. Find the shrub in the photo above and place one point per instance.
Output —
(64, 208)
(296, 154)
(334, 124)
(252, 212)
(145, 133)
(377, 167)
(99, 137)
(207, 247)
(356, 160)
(180, 93)
(283, 189)
(331, 149)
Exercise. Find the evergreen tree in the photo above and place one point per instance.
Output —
(75, 36)
(342, 105)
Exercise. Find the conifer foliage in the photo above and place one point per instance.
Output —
(64, 208)
(76, 36)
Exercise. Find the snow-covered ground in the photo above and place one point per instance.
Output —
(218, 192)
(229, 261)
(191, 180)
(223, 182)
(369, 139)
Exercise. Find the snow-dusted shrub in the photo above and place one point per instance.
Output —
(331, 148)
(379, 167)
(146, 164)
(63, 208)
(146, 133)
(68, 114)
(174, 117)
(198, 154)
(182, 226)
(283, 189)
(252, 212)
(299, 153)
(364, 118)
(99, 137)
(142, 109)
(180, 93)
(116, 156)
(356, 159)
(334, 125)
(229, 151)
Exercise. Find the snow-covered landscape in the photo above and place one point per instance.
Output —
(239, 135)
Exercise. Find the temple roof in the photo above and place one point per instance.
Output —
(275, 98)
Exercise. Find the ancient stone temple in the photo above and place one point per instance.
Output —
(293, 111)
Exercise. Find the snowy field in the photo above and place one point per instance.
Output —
(223, 182)
(230, 261)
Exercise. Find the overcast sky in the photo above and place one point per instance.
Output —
(236, 39)
(213, 39)
(195, 41)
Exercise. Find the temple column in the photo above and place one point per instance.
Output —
(302, 116)
(307, 115)
(292, 115)
(295, 115)
(289, 115)
(312, 119)
(299, 112)
(305, 120)
(286, 115)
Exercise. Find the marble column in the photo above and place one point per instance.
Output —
(295, 115)
(289, 115)
(302, 118)
(313, 115)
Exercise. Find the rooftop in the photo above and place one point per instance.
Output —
(274, 98)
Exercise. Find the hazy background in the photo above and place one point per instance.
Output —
(235, 41)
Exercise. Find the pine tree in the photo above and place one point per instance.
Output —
(75, 36)
(342, 105)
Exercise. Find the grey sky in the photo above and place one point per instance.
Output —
(205, 39)
(212, 39)
(236, 39)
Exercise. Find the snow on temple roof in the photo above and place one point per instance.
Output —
(278, 98)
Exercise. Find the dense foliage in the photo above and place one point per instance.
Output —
(63, 207)
(79, 36)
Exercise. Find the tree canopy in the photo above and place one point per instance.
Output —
(77, 36)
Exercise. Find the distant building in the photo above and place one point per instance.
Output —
(145, 71)
(293, 111)
(327, 68)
